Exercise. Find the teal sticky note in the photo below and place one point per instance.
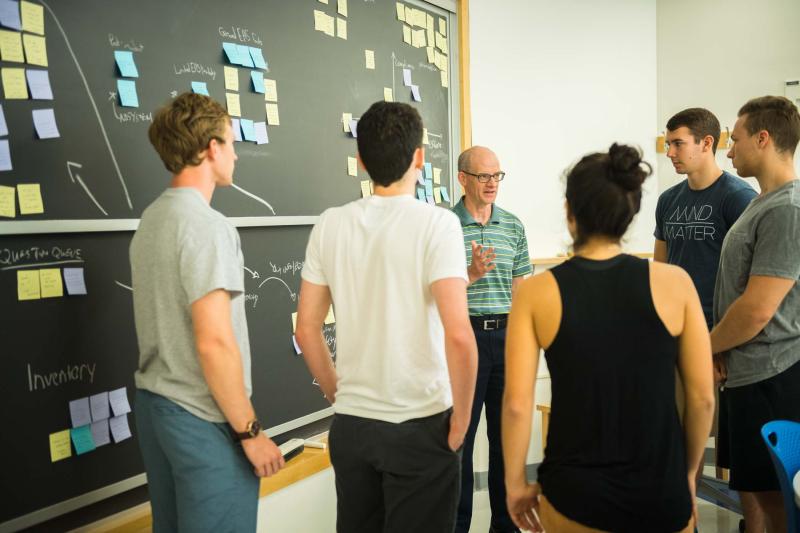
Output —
(126, 64)
(258, 81)
(445, 196)
(258, 58)
(82, 439)
(232, 53)
(244, 56)
(420, 194)
(428, 188)
(428, 171)
(200, 87)
(248, 130)
(127, 93)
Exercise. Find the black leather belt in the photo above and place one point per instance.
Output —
(489, 322)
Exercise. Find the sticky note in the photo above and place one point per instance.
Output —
(420, 179)
(329, 26)
(297, 349)
(410, 15)
(244, 56)
(79, 412)
(445, 196)
(270, 90)
(354, 128)
(429, 51)
(418, 39)
(50, 282)
(3, 125)
(352, 166)
(14, 87)
(8, 207)
(59, 446)
(39, 84)
(437, 175)
(29, 196)
(35, 49)
(323, 1)
(126, 64)
(257, 78)
(424, 135)
(73, 279)
(294, 322)
(261, 132)
(82, 439)
(387, 94)
(5, 155)
(44, 121)
(237, 129)
(258, 58)
(406, 34)
(232, 53)
(100, 434)
(330, 318)
(365, 189)
(430, 200)
(248, 131)
(200, 87)
(273, 119)
(341, 7)
(99, 406)
(32, 17)
(319, 20)
(9, 14)
(437, 195)
(118, 398)
(401, 11)
(444, 78)
(346, 118)
(341, 28)
(369, 56)
(232, 100)
(11, 46)
(415, 93)
(441, 43)
(231, 78)
(119, 428)
(127, 93)
(428, 169)
(28, 285)
(428, 188)
(407, 77)
(420, 195)
(442, 26)
(429, 22)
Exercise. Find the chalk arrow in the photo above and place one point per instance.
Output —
(72, 169)
(292, 294)
(253, 273)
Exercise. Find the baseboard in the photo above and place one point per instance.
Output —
(482, 477)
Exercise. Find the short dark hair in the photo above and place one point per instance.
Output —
(778, 116)
(184, 127)
(701, 123)
(388, 135)
(604, 192)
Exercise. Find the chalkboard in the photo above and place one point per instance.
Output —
(101, 172)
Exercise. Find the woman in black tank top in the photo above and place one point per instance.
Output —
(616, 457)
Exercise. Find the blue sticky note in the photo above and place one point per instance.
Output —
(232, 53)
(258, 58)
(415, 93)
(82, 439)
(420, 180)
(428, 188)
(3, 125)
(125, 63)
(39, 84)
(200, 87)
(261, 132)
(407, 77)
(5, 155)
(258, 81)
(428, 171)
(237, 129)
(445, 196)
(248, 130)
(127, 93)
(353, 127)
(45, 122)
(9, 14)
(244, 56)
(420, 194)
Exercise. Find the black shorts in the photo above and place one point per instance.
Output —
(749, 408)
(723, 443)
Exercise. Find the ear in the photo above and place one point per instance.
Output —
(212, 150)
(570, 218)
(708, 143)
(418, 161)
(762, 138)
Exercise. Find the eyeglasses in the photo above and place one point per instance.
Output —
(484, 178)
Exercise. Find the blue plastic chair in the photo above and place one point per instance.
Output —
(783, 441)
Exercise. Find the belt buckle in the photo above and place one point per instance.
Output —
(486, 324)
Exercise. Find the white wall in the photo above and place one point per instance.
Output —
(718, 54)
(552, 81)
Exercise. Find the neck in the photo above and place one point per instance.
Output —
(480, 211)
(599, 248)
(705, 176)
(403, 186)
(196, 178)
(775, 175)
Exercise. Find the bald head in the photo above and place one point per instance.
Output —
(470, 156)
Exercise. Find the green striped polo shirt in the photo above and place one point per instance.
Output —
(505, 233)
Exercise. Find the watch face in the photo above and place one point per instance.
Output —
(255, 428)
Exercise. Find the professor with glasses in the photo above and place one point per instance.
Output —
(495, 241)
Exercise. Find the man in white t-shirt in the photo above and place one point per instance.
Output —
(394, 268)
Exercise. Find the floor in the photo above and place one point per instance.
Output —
(713, 519)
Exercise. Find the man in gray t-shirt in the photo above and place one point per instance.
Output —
(756, 339)
(202, 445)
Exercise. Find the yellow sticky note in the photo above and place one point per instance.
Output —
(323, 1)
(231, 78)
(406, 34)
(401, 11)
(11, 46)
(30, 199)
(35, 49)
(329, 26)
(437, 194)
(294, 321)
(341, 7)
(365, 189)
(437, 175)
(430, 34)
(429, 51)
(410, 15)
(369, 56)
(442, 26)
(319, 20)
(387, 94)
(444, 78)
(429, 22)
(441, 43)
(28, 285)
(341, 28)
(32, 17)
(273, 119)
(59, 443)
(421, 40)
(50, 281)
(234, 107)
(14, 86)
(270, 90)
(346, 118)
(7, 204)
(329, 318)
(424, 135)
(352, 166)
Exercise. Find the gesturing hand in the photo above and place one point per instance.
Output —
(482, 262)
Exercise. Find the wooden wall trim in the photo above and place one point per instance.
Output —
(463, 73)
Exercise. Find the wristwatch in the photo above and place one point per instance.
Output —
(252, 430)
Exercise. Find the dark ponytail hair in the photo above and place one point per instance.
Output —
(604, 192)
